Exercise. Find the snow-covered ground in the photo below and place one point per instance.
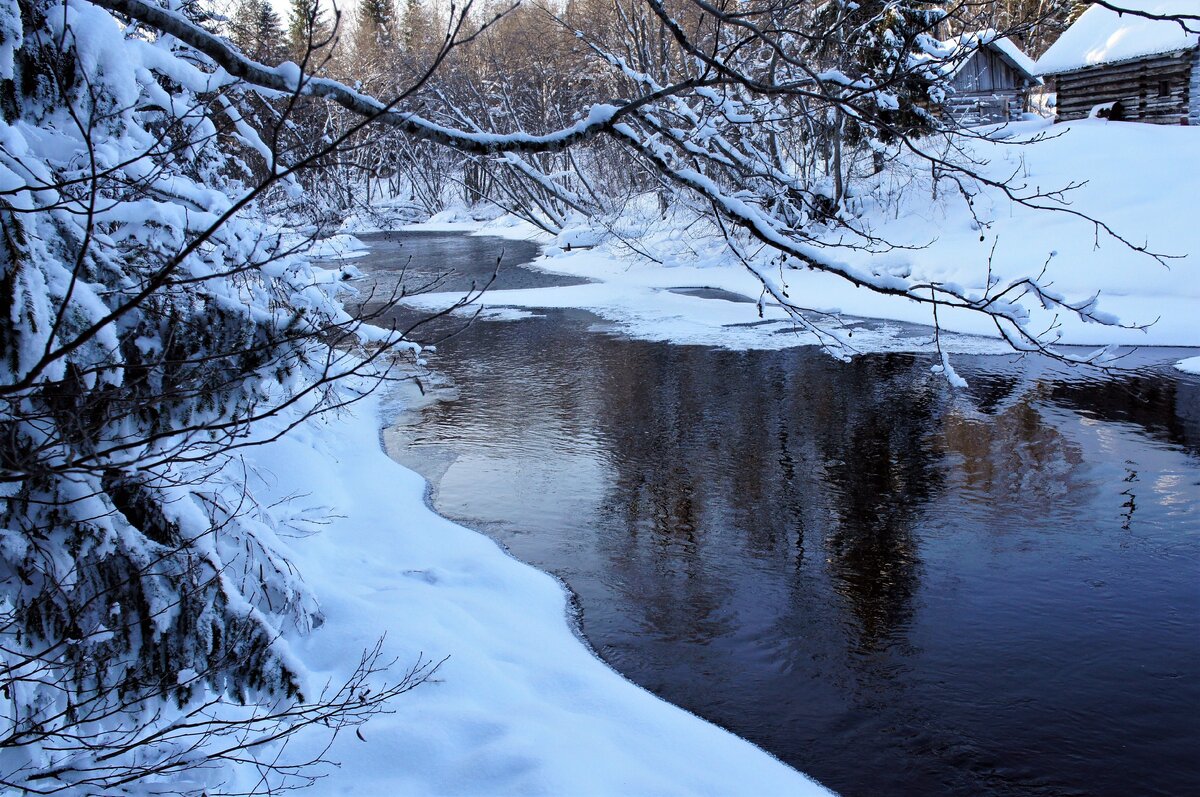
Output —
(521, 705)
(1141, 180)
(343, 246)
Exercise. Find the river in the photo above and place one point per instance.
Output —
(895, 586)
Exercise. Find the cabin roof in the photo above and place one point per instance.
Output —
(1006, 48)
(1101, 36)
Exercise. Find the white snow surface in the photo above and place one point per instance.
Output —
(1189, 366)
(1153, 208)
(1101, 36)
(521, 706)
(337, 247)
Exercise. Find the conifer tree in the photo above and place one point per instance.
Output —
(417, 27)
(255, 28)
(148, 326)
(874, 43)
(308, 31)
(375, 28)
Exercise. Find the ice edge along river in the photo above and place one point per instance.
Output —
(521, 705)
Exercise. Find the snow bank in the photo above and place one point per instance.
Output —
(1189, 366)
(521, 706)
(996, 237)
(337, 247)
(468, 221)
(688, 305)
(1101, 36)
(951, 242)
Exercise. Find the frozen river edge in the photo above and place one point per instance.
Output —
(521, 705)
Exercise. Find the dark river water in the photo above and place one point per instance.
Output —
(896, 587)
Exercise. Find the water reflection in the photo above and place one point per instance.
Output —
(881, 467)
(1015, 451)
(896, 587)
(1166, 408)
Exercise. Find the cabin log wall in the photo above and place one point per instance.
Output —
(1137, 85)
(1194, 90)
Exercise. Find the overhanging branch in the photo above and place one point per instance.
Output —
(288, 78)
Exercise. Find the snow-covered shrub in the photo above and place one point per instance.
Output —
(148, 321)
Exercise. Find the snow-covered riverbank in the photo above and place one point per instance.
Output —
(940, 239)
(521, 705)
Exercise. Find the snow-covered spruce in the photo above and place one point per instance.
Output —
(148, 321)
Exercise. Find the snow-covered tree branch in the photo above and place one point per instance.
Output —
(163, 172)
(864, 78)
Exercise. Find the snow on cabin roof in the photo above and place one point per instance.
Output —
(1101, 36)
(990, 38)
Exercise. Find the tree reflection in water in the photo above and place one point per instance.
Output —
(897, 587)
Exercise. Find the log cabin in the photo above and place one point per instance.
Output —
(990, 78)
(1127, 67)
